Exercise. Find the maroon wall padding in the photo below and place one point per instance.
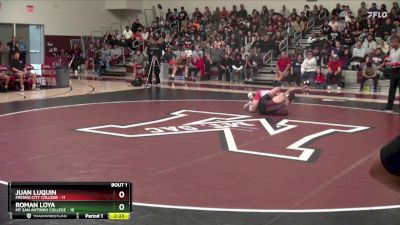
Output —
(59, 42)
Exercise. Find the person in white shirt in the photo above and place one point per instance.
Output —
(285, 12)
(369, 44)
(127, 33)
(359, 53)
(309, 68)
(393, 64)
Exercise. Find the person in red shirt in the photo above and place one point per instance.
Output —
(225, 12)
(320, 79)
(197, 65)
(334, 72)
(90, 54)
(283, 68)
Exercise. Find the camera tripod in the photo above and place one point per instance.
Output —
(154, 63)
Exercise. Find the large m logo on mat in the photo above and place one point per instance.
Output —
(286, 139)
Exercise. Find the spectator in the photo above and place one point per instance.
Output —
(90, 55)
(345, 59)
(137, 62)
(285, 12)
(181, 64)
(76, 54)
(378, 59)
(386, 29)
(136, 26)
(383, 45)
(248, 68)
(237, 69)
(373, 8)
(337, 50)
(226, 66)
(21, 73)
(298, 25)
(335, 35)
(127, 33)
(197, 65)
(334, 75)
(168, 56)
(320, 79)
(295, 70)
(359, 53)
(362, 12)
(225, 12)
(234, 12)
(336, 11)
(369, 44)
(6, 79)
(12, 48)
(309, 68)
(334, 22)
(370, 71)
(396, 7)
(242, 12)
(207, 14)
(326, 30)
(197, 15)
(105, 57)
(282, 68)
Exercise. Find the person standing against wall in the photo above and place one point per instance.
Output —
(12, 47)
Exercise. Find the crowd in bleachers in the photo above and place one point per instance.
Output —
(234, 43)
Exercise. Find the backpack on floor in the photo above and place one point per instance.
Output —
(137, 82)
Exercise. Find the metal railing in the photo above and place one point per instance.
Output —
(268, 58)
(310, 25)
(284, 45)
(296, 36)
(175, 24)
(322, 16)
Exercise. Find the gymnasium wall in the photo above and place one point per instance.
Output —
(60, 17)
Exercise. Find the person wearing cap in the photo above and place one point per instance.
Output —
(334, 74)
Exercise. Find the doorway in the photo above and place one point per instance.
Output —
(33, 38)
(6, 33)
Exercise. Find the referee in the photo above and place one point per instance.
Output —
(394, 65)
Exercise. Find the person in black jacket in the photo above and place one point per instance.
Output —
(226, 66)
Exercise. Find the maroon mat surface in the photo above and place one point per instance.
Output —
(173, 163)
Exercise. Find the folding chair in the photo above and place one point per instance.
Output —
(49, 73)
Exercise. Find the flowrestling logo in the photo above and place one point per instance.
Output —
(284, 139)
(379, 15)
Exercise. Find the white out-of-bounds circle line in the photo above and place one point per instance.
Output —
(221, 209)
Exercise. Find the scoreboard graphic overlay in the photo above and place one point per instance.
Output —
(70, 200)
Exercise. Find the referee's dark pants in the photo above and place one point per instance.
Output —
(394, 84)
